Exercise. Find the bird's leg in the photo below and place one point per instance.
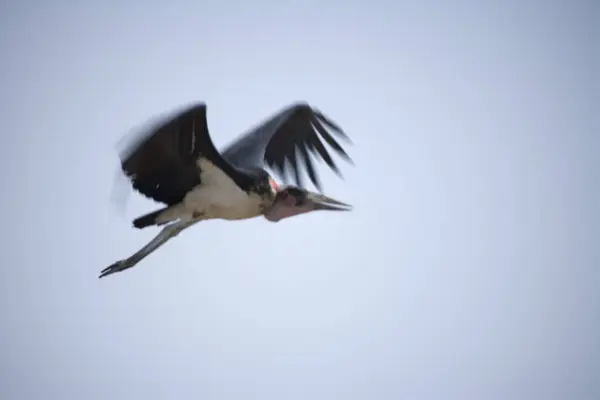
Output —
(165, 234)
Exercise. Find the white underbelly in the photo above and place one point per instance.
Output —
(219, 197)
(216, 203)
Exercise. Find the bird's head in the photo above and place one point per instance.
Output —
(291, 200)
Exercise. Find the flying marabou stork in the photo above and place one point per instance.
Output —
(175, 162)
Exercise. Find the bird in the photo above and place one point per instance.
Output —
(174, 161)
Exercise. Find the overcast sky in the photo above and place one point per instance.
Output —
(468, 269)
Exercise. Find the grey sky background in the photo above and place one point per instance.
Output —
(468, 270)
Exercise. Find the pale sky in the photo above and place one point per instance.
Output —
(468, 269)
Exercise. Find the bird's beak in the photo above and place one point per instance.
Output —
(322, 202)
(310, 202)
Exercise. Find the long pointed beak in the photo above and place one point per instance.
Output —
(322, 202)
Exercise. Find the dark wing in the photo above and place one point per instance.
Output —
(161, 160)
(294, 132)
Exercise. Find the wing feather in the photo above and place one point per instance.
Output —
(292, 134)
(161, 160)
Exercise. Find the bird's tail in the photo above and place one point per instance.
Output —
(150, 219)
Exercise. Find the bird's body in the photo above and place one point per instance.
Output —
(177, 164)
(217, 197)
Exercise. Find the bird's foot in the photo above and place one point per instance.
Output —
(116, 267)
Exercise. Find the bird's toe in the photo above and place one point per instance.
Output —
(115, 267)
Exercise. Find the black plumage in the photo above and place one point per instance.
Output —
(161, 161)
(295, 128)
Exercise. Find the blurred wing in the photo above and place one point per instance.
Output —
(293, 134)
(160, 161)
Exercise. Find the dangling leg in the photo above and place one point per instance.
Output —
(167, 233)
